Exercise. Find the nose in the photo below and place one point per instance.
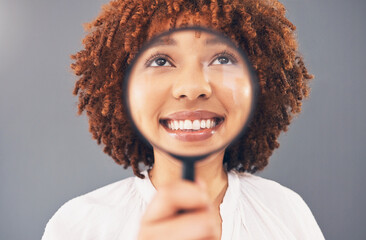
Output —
(191, 84)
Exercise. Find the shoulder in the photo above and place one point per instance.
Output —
(108, 196)
(270, 193)
(88, 213)
(266, 188)
(275, 200)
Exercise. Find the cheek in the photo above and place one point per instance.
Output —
(235, 93)
(146, 99)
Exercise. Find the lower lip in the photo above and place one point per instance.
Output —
(197, 135)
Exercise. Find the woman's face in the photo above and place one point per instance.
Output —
(190, 94)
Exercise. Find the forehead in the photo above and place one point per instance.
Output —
(192, 36)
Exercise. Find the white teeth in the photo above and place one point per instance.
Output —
(208, 123)
(203, 124)
(196, 125)
(181, 124)
(191, 125)
(176, 125)
(187, 124)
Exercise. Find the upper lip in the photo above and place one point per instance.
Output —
(192, 115)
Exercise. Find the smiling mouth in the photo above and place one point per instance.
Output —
(188, 125)
(192, 126)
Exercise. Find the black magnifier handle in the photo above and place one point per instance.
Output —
(188, 174)
(188, 165)
(188, 171)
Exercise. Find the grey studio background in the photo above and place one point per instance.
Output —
(47, 155)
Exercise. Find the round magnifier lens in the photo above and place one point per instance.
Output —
(190, 92)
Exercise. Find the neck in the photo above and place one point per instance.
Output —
(166, 169)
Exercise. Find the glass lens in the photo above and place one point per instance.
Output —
(190, 92)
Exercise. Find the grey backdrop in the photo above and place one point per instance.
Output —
(47, 156)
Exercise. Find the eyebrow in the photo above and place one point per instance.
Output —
(166, 41)
(215, 41)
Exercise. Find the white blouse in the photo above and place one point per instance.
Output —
(253, 208)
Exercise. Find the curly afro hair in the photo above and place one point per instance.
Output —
(259, 27)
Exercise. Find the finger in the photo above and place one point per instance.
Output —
(193, 225)
(182, 195)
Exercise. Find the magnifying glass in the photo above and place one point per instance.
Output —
(190, 92)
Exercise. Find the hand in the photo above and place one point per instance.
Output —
(198, 220)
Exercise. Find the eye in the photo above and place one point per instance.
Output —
(224, 58)
(159, 60)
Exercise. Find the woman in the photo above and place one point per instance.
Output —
(227, 201)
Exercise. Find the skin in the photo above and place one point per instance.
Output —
(201, 199)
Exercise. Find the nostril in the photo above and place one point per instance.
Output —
(203, 95)
(191, 91)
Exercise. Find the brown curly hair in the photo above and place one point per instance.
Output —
(259, 27)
